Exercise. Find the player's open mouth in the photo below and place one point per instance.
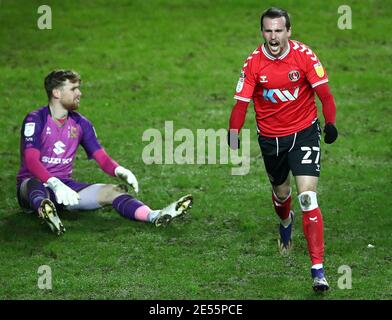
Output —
(274, 45)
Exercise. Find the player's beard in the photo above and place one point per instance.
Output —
(72, 106)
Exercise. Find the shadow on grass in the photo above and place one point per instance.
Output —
(102, 223)
(30, 229)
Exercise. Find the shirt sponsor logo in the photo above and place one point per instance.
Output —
(277, 95)
(294, 75)
(29, 129)
(319, 69)
(59, 147)
(56, 160)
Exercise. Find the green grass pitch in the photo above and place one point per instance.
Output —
(151, 61)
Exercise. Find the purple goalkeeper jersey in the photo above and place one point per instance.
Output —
(57, 144)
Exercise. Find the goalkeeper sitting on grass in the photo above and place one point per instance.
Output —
(50, 137)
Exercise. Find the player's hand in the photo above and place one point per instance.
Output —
(64, 194)
(233, 140)
(331, 133)
(128, 176)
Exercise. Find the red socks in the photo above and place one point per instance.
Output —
(312, 222)
(282, 208)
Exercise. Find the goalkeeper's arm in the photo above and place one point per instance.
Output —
(64, 194)
(107, 164)
(112, 168)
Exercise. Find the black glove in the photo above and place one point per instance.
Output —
(331, 133)
(233, 140)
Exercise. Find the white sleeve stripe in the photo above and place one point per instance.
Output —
(314, 85)
(242, 99)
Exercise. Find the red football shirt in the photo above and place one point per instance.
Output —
(281, 88)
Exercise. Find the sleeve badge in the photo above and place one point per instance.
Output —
(29, 129)
(240, 83)
(319, 69)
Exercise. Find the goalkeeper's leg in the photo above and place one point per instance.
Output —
(99, 195)
(172, 211)
(34, 197)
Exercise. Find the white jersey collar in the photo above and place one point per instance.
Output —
(272, 57)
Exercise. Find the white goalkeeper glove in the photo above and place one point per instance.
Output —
(64, 194)
(128, 176)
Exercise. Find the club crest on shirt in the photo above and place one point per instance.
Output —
(29, 129)
(294, 75)
(73, 132)
(319, 69)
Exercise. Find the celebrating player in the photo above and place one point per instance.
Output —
(281, 76)
(50, 137)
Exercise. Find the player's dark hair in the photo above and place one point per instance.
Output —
(57, 78)
(273, 13)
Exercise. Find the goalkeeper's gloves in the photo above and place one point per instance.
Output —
(64, 194)
(232, 139)
(331, 133)
(128, 176)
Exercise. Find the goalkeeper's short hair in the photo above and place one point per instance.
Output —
(56, 79)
